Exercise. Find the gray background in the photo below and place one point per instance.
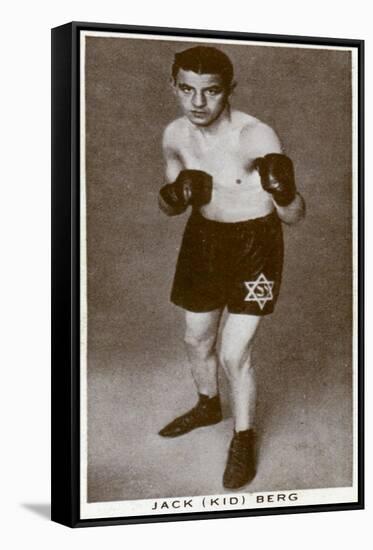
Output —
(138, 375)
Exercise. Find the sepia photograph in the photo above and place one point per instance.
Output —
(218, 267)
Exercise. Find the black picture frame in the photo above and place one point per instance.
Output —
(66, 96)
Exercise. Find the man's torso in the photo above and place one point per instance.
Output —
(227, 156)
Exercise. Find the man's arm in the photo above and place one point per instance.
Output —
(273, 168)
(184, 187)
(277, 177)
(172, 170)
(294, 212)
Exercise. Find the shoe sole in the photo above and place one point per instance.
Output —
(171, 436)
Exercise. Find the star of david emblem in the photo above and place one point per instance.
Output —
(260, 291)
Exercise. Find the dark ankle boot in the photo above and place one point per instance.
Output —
(240, 468)
(205, 413)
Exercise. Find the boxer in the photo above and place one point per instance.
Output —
(228, 168)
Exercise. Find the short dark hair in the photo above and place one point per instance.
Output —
(204, 60)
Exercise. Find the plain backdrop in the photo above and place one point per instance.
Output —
(25, 279)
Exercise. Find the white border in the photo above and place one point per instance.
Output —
(246, 500)
(83, 289)
(214, 503)
(138, 36)
(355, 265)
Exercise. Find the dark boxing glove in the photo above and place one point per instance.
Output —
(277, 176)
(191, 187)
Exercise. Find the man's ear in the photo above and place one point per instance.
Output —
(232, 87)
(172, 85)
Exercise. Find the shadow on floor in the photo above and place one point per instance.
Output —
(42, 510)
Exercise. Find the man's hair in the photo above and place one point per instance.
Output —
(204, 60)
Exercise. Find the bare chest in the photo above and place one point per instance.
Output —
(237, 191)
(224, 159)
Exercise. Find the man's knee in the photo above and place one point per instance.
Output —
(235, 360)
(237, 341)
(201, 344)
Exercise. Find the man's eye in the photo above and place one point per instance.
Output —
(185, 89)
(214, 91)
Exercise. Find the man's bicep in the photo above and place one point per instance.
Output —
(173, 163)
(262, 140)
(173, 167)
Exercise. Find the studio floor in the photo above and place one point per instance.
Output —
(304, 413)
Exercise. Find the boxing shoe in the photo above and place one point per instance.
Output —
(205, 413)
(240, 468)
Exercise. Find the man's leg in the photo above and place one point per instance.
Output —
(235, 356)
(200, 339)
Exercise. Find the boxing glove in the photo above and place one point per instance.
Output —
(277, 177)
(191, 187)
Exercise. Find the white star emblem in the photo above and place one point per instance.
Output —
(260, 291)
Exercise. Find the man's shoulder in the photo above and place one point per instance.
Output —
(250, 124)
(243, 120)
(251, 128)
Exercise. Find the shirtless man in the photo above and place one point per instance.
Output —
(229, 167)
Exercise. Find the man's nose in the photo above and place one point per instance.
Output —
(198, 99)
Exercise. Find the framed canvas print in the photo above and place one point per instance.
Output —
(207, 274)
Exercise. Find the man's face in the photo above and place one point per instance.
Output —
(202, 97)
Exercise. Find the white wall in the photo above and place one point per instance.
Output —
(25, 281)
